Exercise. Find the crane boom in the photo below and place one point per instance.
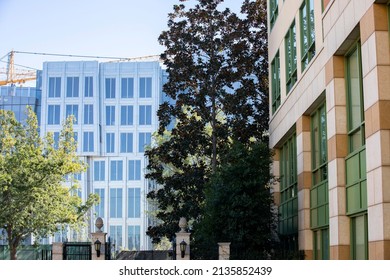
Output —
(16, 76)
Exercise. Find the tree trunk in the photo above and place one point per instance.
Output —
(12, 243)
(12, 251)
(214, 137)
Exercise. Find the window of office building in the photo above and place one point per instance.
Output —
(54, 87)
(88, 114)
(72, 110)
(76, 140)
(127, 88)
(291, 57)
(126, 142)
(88, 87)
(56, 138)
(359, 237)
(99, 208)
(116, 236)
(288, 209)
(99, 170)
(110, 88)
(116, 202)
(134, 202)
(145, 87)
(53, 114)
(321, 244)
(116, 170)
(127, 115)
(110, 142)
(110, 115)
(319, 206)
(77, 176)
(134, 170)
(144, 139)
(308, 48)
(72, 87)
(275, 75)
(145, 114)
(273, 4)
(88, 143)
(355, 162)
(134, 238)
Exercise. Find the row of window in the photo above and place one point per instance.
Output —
(116, 170)
(73, 87)
(126, 114)
(116, 203)
(307, 44)
(355, 162)
(133, 237)
(126, 141)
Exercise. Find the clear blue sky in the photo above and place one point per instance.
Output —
(120, 28)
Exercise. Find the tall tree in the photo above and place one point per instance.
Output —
(33, 197)
(216, 62)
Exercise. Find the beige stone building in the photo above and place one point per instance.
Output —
(329, 64)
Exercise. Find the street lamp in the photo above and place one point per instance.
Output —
(183, 247)
(97, 244)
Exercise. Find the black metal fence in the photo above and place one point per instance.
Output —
(77, 251)
(28, 252)
(107, 250)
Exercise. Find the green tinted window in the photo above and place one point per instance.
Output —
(273, 4)
(291, 57)
(359, 237)
(319, 190)
(275, 75)
(289, 192)
(307, 32)
(355, 100)
(356, 160)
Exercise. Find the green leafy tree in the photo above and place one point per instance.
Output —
(33, 196)
(217, 67)
(239, 206)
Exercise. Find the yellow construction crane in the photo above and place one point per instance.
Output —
(10, 75)
(17, 76)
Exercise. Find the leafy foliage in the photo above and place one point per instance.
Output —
(33, 198)
(238, 206)
(217, 67)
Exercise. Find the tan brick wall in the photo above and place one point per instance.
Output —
(376, 79)
(305, 235)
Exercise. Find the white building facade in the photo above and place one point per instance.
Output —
(115, 105)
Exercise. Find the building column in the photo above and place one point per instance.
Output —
(376, 81)
(305, 235)
(275, 171)
(339, 228)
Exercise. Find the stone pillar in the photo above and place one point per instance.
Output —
(101, 236)
(224, 250)
(57, 251)
(376, 81)
(181, 236)
(305, 235)
(339, 229)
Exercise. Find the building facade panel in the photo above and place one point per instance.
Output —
(116, 106)
(347, 74)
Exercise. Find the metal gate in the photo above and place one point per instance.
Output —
(77, 251)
